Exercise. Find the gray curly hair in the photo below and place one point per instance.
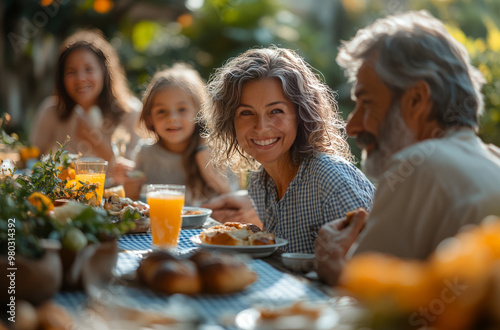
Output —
(416, 46)
(320, 129)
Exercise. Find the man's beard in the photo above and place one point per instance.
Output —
(394, 135)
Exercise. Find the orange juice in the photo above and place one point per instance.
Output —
(165, 213)
(97, 178)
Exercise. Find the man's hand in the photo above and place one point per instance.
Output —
(233, 207)
(334, 240)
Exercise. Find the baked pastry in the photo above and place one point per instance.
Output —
(237, 234)
(222, 273)
(118, 190)
(151, 262)
(165, 273)
(203, 272)
(261, 238)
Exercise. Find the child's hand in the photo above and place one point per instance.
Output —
(133, 186)
(120, 170)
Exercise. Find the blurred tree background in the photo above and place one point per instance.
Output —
(150, 34)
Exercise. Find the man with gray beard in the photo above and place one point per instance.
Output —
(417, 105)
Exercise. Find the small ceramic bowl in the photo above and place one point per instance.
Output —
(194, 220)
(299, 262)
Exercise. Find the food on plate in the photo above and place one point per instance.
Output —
(118, 206)
(222, 273)
(238, 234)
(301, 315)
(191, 212)
(48, 315)
(298, 308)
(118, 190)
(122, 317)
(203, 272)
(54, 316)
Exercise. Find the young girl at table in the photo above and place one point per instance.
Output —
(270, 113)
(179, 156)
(92, 100)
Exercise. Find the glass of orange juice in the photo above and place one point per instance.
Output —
(165, 207)
(91, 170)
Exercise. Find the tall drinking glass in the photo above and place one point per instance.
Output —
(91, 170)
(165, 207)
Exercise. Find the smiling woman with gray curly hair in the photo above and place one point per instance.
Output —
(320, 127)
(269, 112)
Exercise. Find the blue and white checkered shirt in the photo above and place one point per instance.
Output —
(325, 188)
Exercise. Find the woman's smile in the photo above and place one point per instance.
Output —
(265, 122)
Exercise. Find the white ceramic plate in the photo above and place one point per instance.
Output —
(256, 251)
(195, 220)
(249, 319)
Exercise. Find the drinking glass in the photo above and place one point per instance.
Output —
(91, 170)
(165, 208)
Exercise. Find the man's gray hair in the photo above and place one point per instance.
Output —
(416, 46)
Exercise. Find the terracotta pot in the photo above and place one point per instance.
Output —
(34, 280)
(94, 263)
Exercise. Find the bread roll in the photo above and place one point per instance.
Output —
(150, 262)
(203, 272)
(237, 234)
(176, 276)
(222, 273)
(162, 271)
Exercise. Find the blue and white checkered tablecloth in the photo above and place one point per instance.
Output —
(144, 241)
(272, 287)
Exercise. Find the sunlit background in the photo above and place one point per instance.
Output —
(149, 34)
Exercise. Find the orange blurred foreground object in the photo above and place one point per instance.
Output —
(103, 6)
(46, 3)
(40, 201)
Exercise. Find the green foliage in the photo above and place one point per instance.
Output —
(478, 25)
(26, 224)
(15, 208)
(33, 224)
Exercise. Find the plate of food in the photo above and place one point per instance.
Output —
(117, 205)
(239, 238)
(194, 217)
(301, 315)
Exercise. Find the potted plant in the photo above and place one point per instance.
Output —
(27, 216)
(33, 265)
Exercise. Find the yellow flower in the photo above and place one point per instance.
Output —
(67, 174)
(41, 201)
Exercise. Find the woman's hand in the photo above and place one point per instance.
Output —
(233, 207)
(334, 240)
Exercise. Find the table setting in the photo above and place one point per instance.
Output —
(273, 287)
